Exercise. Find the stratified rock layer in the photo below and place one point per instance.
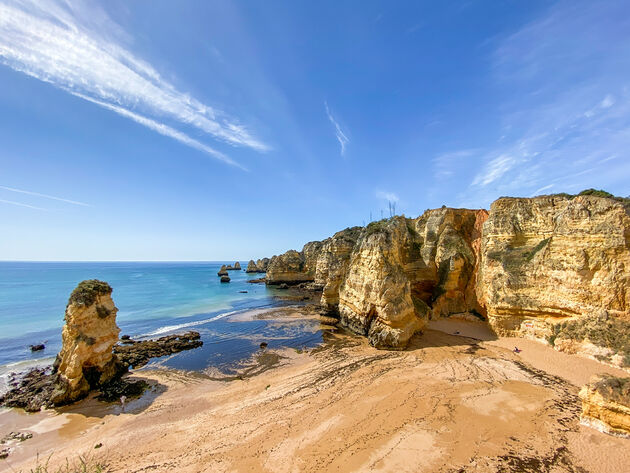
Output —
(86, 360)
(606, 404)
(553, 258)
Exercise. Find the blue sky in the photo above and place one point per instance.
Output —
(211, 130)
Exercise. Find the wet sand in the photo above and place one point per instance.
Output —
(452, 402)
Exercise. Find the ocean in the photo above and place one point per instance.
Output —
(153, 299)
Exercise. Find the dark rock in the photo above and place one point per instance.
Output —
(113, 391)
(283, 286)
(4, 453)
(229, 267)
(243, 292)
(139, 353)
(223, 271)
(125, 337)
(263, 345)
(38, 347)
(16, 437)
(32, 392)
(257, 281)
(225, 279)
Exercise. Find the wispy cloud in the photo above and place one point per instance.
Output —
(20, 204)
(446, 164)
(78, 49)
(341, 136)
(389, 196)
(45, 196)
(568, 107)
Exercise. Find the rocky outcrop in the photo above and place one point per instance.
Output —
(86, 360)
(222, 271)
(237, 266)
(138, 353)
(225, 279)
(291, 267)
(259, 266)
(89, 359)
(606, 405)
(333, 263)
(549, 259)
(402, 272)
(387, 279)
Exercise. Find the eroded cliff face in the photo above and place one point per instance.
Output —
(86, 359)
(387, 279)
(550, 259)
(404, 272)
(606, 405)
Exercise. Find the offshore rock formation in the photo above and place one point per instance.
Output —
(550, 259)
(237, 266)
(138, 353)
(606, 405)
(86, 360)
(222, 271)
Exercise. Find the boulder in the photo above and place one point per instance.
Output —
(225, 278)
(606, 404)
(86, 360)
(38, 347)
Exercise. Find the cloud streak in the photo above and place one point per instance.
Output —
(45, 196)
(72, 48)
(341, 136)
(20, 204)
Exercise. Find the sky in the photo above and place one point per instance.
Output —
(202, 130)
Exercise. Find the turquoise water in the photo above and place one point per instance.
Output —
(153, 299)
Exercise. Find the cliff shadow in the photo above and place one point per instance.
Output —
(96, 408)
(451, 332)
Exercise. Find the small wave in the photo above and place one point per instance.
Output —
(172, 328)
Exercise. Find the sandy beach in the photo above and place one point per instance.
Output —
(457, 400)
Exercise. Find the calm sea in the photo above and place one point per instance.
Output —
(153, 299)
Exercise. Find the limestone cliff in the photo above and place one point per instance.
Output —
(86, 360)
(549, 259)
(402, 272)
(606, 404)
(293, 267)
(387, 279)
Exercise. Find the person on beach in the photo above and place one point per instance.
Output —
(517, 350)
(123, 398)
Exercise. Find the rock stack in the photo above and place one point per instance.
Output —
(86, 360)
(223, 271)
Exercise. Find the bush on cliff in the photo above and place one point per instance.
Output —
(87, 291)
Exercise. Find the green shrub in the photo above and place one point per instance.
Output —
(87, 291)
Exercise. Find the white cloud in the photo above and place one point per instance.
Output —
(75, 48)
(341, 137)
(46, 196)
(446, 164)
(20, 204)
(167, 131)
(568, 110)
(495, 169)
(388, 196)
